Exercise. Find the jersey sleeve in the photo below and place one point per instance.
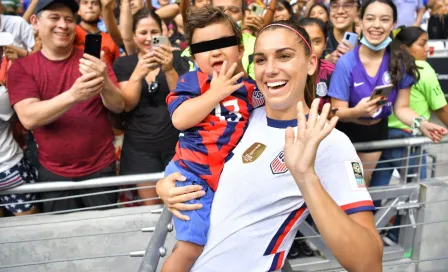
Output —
(406, 82)
(340, 172)
(340, 80)
(22, 85)
(187, 87)
(430, 87)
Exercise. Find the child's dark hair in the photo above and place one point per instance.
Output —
(401, 62)
(286, 5)
(200, 18)
(143, 14)
(319, 5)
(409, 35)
(310, 87)
(314, 21)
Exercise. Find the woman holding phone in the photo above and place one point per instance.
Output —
(426, 97)
(146, 79)
(343, 14)
(378, 61)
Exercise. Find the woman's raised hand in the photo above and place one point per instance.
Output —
(301, 148)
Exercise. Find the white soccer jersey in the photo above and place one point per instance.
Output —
(258, 206)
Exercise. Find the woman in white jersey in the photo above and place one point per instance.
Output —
(264, 186)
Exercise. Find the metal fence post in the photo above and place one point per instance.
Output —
(153, 252)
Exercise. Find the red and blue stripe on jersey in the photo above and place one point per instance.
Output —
(280, 236)
(203, 148)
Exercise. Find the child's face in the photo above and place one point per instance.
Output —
(212, 60)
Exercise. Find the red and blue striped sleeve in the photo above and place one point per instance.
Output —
(187, 87)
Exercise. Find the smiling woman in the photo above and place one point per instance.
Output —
(260, 200)
(146, 79)
(377, 64)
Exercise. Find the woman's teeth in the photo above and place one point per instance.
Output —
(274, 85)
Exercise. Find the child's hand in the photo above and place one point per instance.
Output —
(225, 82)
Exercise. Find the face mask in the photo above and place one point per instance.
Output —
(378, 47)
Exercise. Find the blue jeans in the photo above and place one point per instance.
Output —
(382, 177)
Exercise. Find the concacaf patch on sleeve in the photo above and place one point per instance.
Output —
(355, 175)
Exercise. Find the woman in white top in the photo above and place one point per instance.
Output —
(276, 169)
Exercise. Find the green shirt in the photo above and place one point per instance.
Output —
(247, 61)
(426, 95)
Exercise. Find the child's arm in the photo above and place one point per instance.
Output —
(192, 111)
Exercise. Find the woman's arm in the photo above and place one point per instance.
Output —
(131, 91)
(111, 22)
(184, 5)
(269, 16)
(30, 11)
(171, 78)
(353, 239)
(442, 114)
(359, 251)
(406, 115)
(126, 27)
(168, 12)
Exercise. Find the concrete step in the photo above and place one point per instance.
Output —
(76, 242)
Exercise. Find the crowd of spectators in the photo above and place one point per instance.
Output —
(68, 116)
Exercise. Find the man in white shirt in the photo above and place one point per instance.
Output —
(22, 33)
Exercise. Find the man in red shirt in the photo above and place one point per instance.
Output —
(89, 12)
(63, 96)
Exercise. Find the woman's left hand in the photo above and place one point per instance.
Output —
(164, 56)
(433, 131)
(300, 150)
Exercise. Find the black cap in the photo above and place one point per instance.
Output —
(43, 4)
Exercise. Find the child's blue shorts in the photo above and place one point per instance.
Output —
(195, 230)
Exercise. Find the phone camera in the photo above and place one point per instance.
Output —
(348, 37)
(156, 41)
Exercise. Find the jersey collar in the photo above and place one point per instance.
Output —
(282, 123)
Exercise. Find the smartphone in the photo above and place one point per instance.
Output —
(157, 41)
(384, 91)
(256, 9)
(351, 37)
(93, 45)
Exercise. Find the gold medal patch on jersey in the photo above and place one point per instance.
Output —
(253, 152)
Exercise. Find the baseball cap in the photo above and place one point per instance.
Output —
(43, 4)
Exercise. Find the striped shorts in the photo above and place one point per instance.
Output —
(21, 173)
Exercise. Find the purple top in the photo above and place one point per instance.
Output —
(350, 82)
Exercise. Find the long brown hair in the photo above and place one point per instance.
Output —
(310, 86)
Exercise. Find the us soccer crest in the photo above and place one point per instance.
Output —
(278, 165)
(257, 98)
(387, 78)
